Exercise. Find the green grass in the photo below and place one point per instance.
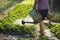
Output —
(56, 17)
(55, 28)
(37, 38)
(5, 4)
(19, 11)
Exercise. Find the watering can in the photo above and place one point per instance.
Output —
(35, 15)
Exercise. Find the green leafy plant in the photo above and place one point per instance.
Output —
(56, 17)
(56, 30)
(19, 11)
(37, 38)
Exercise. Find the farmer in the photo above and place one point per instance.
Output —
(42, 7)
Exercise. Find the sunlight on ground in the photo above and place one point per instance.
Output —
(55, 23)
(28, 2)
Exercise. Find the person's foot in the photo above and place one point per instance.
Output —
(42, 33)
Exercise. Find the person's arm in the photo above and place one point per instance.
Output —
(34, 4)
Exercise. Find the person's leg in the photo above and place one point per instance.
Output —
(41, 24)
(43, 14)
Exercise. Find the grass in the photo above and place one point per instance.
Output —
(37, 38)
(56, 17)
(28, 2)
(6, 4)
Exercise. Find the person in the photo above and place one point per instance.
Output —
(42, 7)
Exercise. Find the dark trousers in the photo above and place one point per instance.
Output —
(43, 13)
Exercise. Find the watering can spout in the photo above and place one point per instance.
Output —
(23, 22)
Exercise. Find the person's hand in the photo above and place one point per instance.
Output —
(36, 7)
